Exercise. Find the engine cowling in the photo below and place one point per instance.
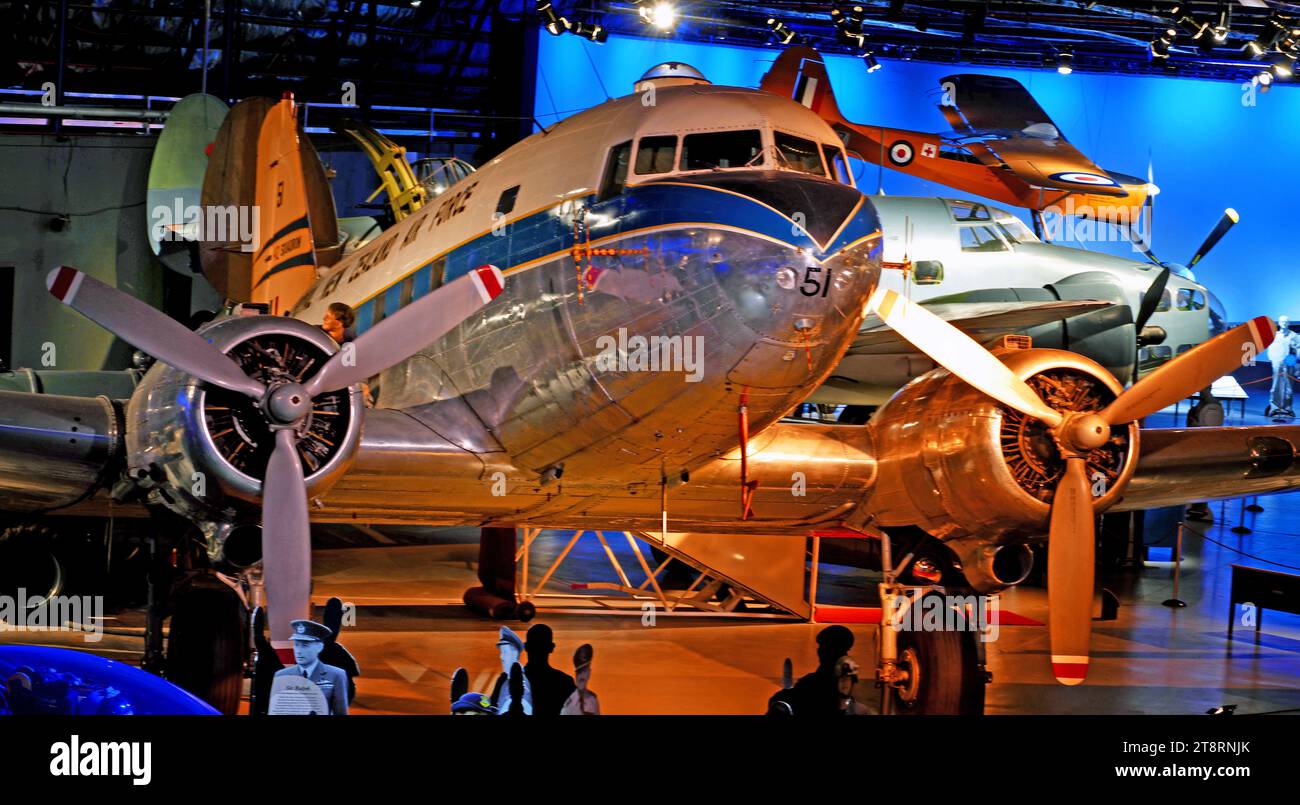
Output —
(205, 448)
(980, 476)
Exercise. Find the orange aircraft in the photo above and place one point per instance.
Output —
(1003, 147)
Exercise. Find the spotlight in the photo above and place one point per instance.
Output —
(555, 25)
(870, 59)
(661, 14)
(1189, 23)
(590, 30)
(1220, 29)
(784, 33)
(1264, 79)
(1160, 46)
(1065, 62)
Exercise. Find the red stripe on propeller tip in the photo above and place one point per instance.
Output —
(61, 281)
(490, 276)
(1069, 673)
(1264, 328)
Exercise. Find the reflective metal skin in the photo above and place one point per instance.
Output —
(76, 441)
(531, 371)
(208, 448)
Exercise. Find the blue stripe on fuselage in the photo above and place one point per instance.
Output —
(644, 207)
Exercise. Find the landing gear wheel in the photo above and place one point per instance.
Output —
(30, 560)
(943, 674)
(205, 647)
(525, 611)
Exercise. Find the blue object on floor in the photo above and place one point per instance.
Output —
(36, 680)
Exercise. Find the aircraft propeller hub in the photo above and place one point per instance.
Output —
(287, 403)
(1085, 432)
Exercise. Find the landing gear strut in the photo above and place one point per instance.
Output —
(922, 671)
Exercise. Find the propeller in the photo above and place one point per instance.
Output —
(286, 534)
(1227, 221)
(1072, 520)
(1151, 298)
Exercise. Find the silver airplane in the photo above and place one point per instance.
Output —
(613, 317)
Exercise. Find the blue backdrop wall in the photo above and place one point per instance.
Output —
(1209, 147)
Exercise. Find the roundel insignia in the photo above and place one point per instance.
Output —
(900, 153)
(1080, 177)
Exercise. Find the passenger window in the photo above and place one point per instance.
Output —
(721, 149)
(837, 164)
(1190, 299)
(408, 291)
(506, 203)
(981, 239)
(799, 154)
(616, 170)
(656, 155)
(1165, 302)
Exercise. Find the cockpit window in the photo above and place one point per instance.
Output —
(981, 239)
(656, 154)
(1015, 229)
(838, 165)
(799, 154)
(722, 149)
(968, 211)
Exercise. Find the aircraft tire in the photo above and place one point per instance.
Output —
(206, 645)
(31, 559)
(949, 681)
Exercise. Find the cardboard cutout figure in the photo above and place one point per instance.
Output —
(582, 702)
(308, 642)
(511, 696)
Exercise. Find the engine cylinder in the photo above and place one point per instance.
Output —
(959, 465)
(207, 448)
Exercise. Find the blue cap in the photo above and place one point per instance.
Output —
(474, 703)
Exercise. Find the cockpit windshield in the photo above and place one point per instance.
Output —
(722, 149)
(1011, 227)
(799, 154)
(1014, 228)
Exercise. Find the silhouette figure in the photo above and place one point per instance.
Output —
(268, 663)
(334, 653)
(818, 693)
(551, 686)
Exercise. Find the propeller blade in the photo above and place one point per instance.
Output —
(149, 329)
(1228, 221)
(1190, 372)
(959, 353)
(1151, 298)
(408, 331)
(286, 538)
(1070, 557)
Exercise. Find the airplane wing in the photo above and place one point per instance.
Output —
(1218, 463)
(983, 321)
(1007, 120)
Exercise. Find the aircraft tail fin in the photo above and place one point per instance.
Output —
(267, 182)
(800, 73)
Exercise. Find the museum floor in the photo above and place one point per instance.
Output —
(412, 631)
